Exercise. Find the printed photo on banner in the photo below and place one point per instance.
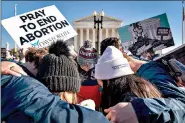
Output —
(39, 28)
(153, 33)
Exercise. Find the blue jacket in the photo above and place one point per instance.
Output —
(170, 109)
(26, 100)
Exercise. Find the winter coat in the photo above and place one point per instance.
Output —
(26, 100)
(89, 88)
(170, 109)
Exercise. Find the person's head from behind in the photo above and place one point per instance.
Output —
(59, 73)
(33, 56)
(87, 56)
(112, 41)
(118, 80)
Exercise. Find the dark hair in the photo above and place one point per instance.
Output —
(112, 41)
(29, 55)
(126, 88)
(150, 51)
(61, 48)
(58, 48)
(35, 55)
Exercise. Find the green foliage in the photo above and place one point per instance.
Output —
(14, 52)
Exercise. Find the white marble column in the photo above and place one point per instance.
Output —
(113, 35)
(75, 40)
(94, 37)
(107, 33)
(87, 34)
(81, 37)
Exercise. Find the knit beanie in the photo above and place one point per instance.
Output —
(57, 71)
(87, 54)
(112, 65)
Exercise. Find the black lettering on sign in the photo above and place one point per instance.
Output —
(44, 31)
(64, 23)
(37, 14)
(163, 31)
(23, 40)
(24, 27)
(52, 18)
(50, 27)
(38, 34)
(46, 20)
(32, 16)
(59, 25)
(54, 27)
(47, 30)
(42, 12)
(40, 22)
(30, 37)
(31, 26)
(23, 18)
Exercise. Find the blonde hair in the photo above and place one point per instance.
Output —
(63, 96)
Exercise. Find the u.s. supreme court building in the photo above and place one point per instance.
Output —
(85, 29)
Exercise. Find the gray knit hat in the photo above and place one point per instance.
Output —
(87, 54)
(57, 71)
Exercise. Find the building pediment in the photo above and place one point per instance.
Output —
(88, 22)
(91, 19)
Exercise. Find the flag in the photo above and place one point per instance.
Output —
(183, 18)
(183, 14)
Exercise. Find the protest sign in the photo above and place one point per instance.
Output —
(174, 62)
(39, 28)
(177, 53)
(153, 33)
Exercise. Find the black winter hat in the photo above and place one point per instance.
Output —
(57, 71)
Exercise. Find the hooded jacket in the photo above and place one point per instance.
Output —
(26, 100)
(171, 108)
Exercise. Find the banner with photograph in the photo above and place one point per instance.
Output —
(153, 33)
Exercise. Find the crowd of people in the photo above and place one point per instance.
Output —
(58, 84)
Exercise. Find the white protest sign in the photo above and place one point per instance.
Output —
(39, 28)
